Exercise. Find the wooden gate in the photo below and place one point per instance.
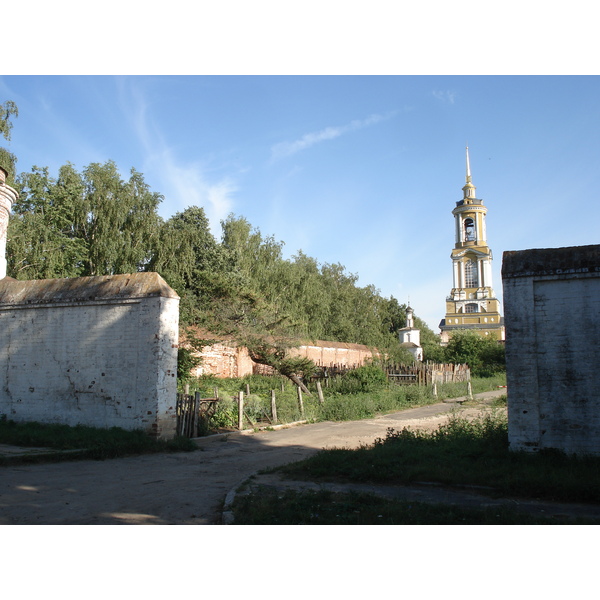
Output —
(193, 413)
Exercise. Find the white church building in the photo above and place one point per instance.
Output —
(410, 336)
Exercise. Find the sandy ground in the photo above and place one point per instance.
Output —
(181, 488)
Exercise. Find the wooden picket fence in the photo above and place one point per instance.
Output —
(428, 373)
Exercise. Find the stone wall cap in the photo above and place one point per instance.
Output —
(84, 289)
(551, 261)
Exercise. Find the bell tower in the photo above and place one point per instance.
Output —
(472, 303)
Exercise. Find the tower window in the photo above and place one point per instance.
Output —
(471, 308)
(469, 230)
(471, 279)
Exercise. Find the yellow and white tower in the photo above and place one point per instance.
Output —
(472, 303)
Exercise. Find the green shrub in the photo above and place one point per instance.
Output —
(368, 378)
(98, 443)
(226, 414)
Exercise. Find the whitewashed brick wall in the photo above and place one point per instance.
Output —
(98, 351)
(552, 317)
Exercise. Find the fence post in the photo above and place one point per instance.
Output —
(241, 410)
(300, 402)
(179, 412)
(435, 394)
(196, 412)
(320, 392)
(469, 391)
(247, 389)
(273, 407)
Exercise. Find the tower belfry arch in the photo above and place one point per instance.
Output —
(472, 303)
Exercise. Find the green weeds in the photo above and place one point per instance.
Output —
(461, 452)
(360, 394)
(270, 507)
(91, 442)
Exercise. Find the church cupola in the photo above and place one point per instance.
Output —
(410, 322)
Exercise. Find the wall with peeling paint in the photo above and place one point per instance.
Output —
(99, 351)
(552, 319)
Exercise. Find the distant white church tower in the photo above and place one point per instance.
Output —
(7, 197)
(410, 337)
(472, 303)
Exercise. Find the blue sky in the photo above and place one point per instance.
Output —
(358, 170)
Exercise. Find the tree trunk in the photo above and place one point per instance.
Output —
(299, 383)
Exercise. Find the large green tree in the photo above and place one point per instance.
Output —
(8, 110)
(90, 223)
(122, 224)
(198, 268)
(43, 240)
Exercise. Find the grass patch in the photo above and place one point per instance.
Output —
(93, 442)
(270, 507)
(461, 452)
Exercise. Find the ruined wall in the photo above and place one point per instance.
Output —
(326, 354)
(99, 351)
(552, 317)
(224, 359)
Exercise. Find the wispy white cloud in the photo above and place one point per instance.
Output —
(284, 149)
(188, 186)
(183, 184)
(445, 96)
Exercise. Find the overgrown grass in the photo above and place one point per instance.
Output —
(346, 398)
(461, 452)
(92, 442)
(270, 507)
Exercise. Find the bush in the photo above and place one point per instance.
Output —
(485, 356)
(368, 378)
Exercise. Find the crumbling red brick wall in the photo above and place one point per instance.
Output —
(327, 354)
(225, 359)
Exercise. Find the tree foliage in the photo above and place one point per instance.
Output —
(90, 223)
(94, 222)
(8, 160)
(485, 356)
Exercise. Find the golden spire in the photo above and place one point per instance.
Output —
(469, 188)
(468, 167)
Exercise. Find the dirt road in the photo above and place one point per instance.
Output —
(182, 488)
